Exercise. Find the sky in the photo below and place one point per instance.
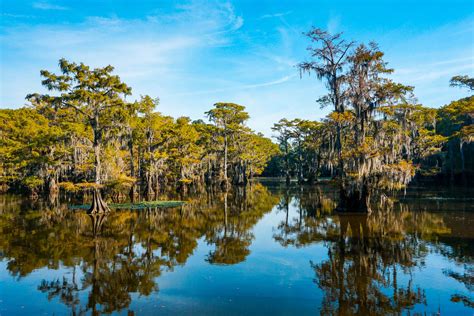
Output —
(192, 54)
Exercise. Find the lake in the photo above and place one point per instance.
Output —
(264, 249)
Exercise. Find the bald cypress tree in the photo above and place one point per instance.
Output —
(375, 130)
(229, 119)
(97, 97)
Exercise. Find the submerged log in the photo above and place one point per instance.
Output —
(98, 204)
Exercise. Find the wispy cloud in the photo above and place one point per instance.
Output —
(241, 87)
(275, 15)
(333, 24)
(16, 16)
(128, 44)
(438, 69)
(194, 54)
(426, 73)
(45, 5)
(157, 54)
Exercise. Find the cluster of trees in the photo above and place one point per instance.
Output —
(87, 136)
(376, 135)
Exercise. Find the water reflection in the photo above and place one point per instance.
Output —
(110, 260)
(368, 252)
(231, 232)
(124, 252)
(361, 275)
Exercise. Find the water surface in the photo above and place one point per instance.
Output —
(263, 249)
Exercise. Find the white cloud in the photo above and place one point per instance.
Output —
(275, 15)
(143, 49)
(202, 53)
(241, 87)
(333, 25)
(17, 16)
(426, 73)
(44, 5)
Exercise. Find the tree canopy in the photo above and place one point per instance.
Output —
(85, 136)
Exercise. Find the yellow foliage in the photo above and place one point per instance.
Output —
(68, 186)
(85, 186)
(342, 118)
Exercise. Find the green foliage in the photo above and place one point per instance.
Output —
(95, 95)
(462, 82)
(121, 183)
(454, 116)
(33, 183)
(86, 137)
(376, 136)
(455, 121)
(68, 186)
(29, 146)
(229, 116)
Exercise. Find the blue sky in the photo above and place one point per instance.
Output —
(192, 54)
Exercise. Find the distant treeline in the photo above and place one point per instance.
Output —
(450, 129)
(86, 136)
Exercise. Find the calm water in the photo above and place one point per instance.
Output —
(261, 250)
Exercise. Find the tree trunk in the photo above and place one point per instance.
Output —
(338, 147)
(97, 164)
(149, 183)
(98, 205)
(208, 175)
(461, 151)
(225, 182)
(157, 185)
(132, 192)
(132, 170)
(244, 172)
(451, 156)
(225, 214)
(300, 165)
(287, 165)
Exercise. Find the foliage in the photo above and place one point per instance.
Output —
(463, 82)
(87, 137)
(452, 118)
(374, 133)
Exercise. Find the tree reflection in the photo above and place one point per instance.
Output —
(371, 257)
(104, 260)
(231, 244)
(112, 256)
(67, 291)
(361, 275)
(311, 222)
(231, 229)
